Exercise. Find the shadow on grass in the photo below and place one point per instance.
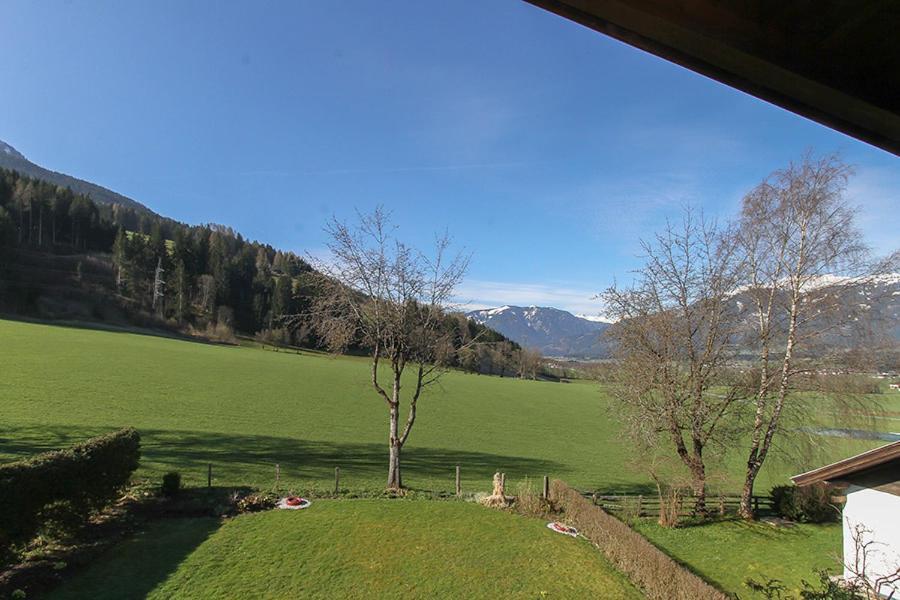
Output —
(250, 459)
(135, 567)
(110, 327)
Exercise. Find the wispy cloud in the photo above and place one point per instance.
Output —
(381, 170)
(475, 294)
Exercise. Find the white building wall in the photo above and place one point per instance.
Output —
(878, 512)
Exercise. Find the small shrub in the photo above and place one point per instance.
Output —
(171, 484)
(18, 595)
(529, 501)
(256, 503)
(807, 504)
(669, 507)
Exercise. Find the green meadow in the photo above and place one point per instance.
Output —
(244, 410)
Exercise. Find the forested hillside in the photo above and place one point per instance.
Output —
(66, 256)
(12, 159)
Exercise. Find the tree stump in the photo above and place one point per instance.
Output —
(498, 498)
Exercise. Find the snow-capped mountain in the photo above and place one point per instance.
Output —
(868, 309)
(552, 331)
(871, 313)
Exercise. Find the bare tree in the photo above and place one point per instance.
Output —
(206, 293)
(673, 340)
(529, 362)
(390, 299)
(802, 256)
(159, 285)
(872, 570)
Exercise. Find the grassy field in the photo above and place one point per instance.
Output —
(354, 549)
(727, 553)
(245, 409)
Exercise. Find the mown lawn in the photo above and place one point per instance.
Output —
(354, 549)
(245, 409)
(727, 553)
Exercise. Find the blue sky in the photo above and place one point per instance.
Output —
(546, 149)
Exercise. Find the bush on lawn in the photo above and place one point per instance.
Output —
(171, 484)
(60, 489)
(648, 567)
(807, 504)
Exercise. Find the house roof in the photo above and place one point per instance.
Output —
(833, 62)
(851, 466)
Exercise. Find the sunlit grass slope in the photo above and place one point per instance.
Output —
(354, 549)
(728, 553)
(246, 409)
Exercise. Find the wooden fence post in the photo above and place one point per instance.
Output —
(545, 491)
(458, 486)
(337, 479)
(209, 475)
(755, 504)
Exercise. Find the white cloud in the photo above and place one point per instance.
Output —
(476, 294)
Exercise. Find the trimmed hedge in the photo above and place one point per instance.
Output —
(807, 504)
(74, 482)
(648, 567)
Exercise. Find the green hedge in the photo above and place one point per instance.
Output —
(807, 504)
(648, 567)
(80, 479)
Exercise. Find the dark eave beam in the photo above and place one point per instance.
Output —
(641, 24)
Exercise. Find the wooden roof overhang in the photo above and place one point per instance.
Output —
(880, 459)
(833, 61)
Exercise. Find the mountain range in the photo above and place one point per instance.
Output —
(552, 331)
(557, 333)
(10, 158)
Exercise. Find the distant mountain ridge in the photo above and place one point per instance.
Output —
(874, 306)
(552, 331)
(10, 158)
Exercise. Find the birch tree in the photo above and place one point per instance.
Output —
(803, 254)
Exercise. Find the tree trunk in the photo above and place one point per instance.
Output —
(395, 481)
(760, 451)
(698, 487)
(746, 509)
